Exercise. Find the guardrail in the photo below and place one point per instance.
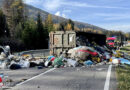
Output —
(35, 53)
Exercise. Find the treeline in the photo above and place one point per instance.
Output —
(23, 33)
(20, 32)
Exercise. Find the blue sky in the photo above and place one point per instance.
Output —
(108, 14)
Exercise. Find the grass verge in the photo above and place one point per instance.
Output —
(123, 77)
(125, 49)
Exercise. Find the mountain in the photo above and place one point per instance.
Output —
(57, 19)
(32, 11)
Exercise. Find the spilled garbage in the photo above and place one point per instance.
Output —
(78, 56)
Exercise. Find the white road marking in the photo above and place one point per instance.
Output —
(106, 86)
(36, 76)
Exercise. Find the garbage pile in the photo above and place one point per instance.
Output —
(9, 61)
(78, 56)
(86, 56)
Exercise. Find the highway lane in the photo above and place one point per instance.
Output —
(79, 78)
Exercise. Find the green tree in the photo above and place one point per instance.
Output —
(63, 26)
(42, 33)
(49, 23)
(15, 13)
(3, 25)
(29, 34)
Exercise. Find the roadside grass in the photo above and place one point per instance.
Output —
(125, 49)
(123, 77)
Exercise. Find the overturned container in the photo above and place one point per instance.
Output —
(61, 41)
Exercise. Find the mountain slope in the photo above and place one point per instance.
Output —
(32, 11)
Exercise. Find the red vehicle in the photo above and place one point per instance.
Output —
(111, 42)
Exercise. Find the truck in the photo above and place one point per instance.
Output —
(111, 42)
(61, 41)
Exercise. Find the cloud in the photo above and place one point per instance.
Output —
(54, 5)
(63, 15)
(58, 13)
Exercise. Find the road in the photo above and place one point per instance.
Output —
(79, 78)
(17, 76)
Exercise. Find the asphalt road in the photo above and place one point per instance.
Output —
(17, 76)
(79, 78)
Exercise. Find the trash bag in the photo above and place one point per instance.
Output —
(58, 62)
(15, 66)
(124, 61)
(1, 75)
(3, 65)
(82, 52)
(40, 67)
(48, 63)
(82, 55)
(50, 57)
(87, 63)
(116, 61)
(71, 62)
(24, 64)
(33, 64)
(41, 64)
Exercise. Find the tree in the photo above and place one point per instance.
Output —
(3, 25)
(42, 34)
(68, 27)
(8, 13)
(49, 23)
(29, 34)
(71, 23)
(62, 26)
(15, 13)
(56, 27)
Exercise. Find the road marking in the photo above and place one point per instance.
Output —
(106, 86)
(36, 76)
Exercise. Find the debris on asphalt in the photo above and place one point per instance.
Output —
(88, 63)
(71, 62)
(116, 61)
(85, 54)
(15, 66)
(124, 61)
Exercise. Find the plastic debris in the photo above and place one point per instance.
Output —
(15, 66)
(58, 62)
(71, 62)
(124, 61)
(24, 64)
(48, 63)
(116, 61)
(88, 63)
(40, 67)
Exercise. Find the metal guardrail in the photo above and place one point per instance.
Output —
(35, 53)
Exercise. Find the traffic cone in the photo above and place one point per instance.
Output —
(1, 83)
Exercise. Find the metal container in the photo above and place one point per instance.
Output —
(61, 41)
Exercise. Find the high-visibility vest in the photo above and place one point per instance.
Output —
(1, 83)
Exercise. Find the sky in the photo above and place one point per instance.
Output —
(108, 14)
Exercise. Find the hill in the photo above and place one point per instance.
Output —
(32, 11)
